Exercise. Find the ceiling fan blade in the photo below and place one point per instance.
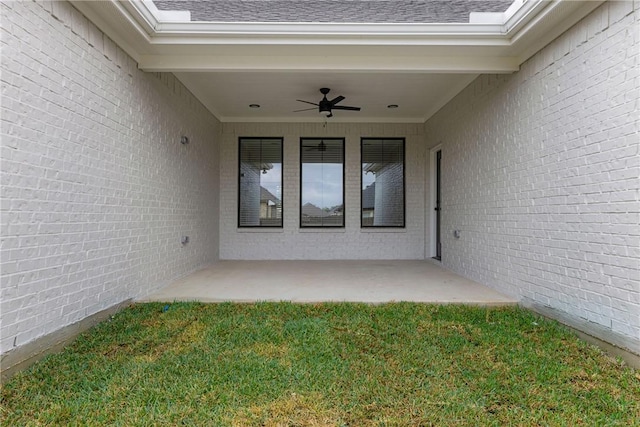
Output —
(307, 102)
(344, 107)
(305, 109)
(335, 100)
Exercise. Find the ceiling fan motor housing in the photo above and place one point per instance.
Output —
(324, 107)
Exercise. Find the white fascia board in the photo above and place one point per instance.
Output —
(310, 39)
(518, 18)
(329, 40)
(116, 21)
(548, 24)
(514, 8)
(302, 62)
(149, 17)
(216, 29)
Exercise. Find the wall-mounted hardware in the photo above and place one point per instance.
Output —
(184, 240)
(184, 140)
(456, 234)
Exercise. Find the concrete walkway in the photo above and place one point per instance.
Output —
(317, 281)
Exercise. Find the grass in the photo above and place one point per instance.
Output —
(281, 364)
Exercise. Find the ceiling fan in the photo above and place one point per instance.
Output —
(325, 106)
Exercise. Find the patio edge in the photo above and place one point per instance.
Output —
(22, 357)
(610, 342)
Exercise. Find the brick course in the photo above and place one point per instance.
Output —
(540, 173)
(96, 188)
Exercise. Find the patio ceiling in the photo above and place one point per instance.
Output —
(419, 67)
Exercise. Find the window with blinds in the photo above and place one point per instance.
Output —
(260, 182)
(322, 182)
(382, 197)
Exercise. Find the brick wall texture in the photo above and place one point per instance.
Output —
(351, 242)
(541, 171)
(96, 188)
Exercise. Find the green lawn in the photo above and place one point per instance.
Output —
(282, 364)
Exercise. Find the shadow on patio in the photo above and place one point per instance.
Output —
(317, 281)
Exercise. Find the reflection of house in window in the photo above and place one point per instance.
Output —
(313, 216)
(322, 182)
(270, 208)
(337, 211)
(260, 182)
(383, 182)
(368, 204)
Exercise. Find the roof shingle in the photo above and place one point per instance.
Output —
(338, 11)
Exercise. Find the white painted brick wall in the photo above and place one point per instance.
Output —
(541, 174)
(352, 242)
(96, 188)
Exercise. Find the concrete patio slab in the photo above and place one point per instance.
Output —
(319, 281)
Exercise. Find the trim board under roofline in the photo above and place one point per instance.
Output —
(165, 41)
(491, 43)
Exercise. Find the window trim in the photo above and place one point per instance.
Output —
(404, 183)
(344, 198)
(281, 139)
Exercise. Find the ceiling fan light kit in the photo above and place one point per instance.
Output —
(326, 107)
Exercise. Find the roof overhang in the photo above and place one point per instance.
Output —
(489, 43)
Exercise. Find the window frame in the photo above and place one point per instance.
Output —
(344, 201)
(240, 139)
(404, 182)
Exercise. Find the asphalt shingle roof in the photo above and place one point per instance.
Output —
(309, 209)
(340, 11)
(266, 195)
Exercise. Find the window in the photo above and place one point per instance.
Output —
(382, 200)
(322, 182)
(260, 182)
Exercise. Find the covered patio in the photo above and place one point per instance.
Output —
(368, 281)
(125, 181)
